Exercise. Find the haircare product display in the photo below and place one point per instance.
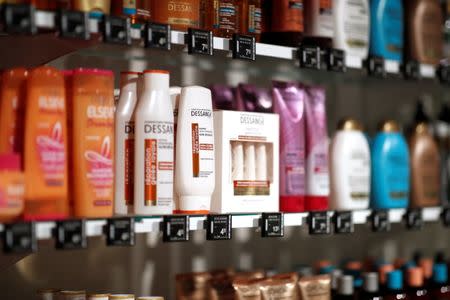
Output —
(251, 18)
(319, 23)
(139, 11)
(93, 142)
(96, 8)
(425, 168)
(124, 144)
(386, 29)
(254, 99)
(223, 17)
(195, 177)
(154, 148)
(12, 187)
(349, 167)
(289, 103)
(45, 146)
(390, 177)
(423, 31)
(179, 14)
(246, 147)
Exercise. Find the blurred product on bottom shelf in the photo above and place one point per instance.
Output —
(246, 162)
(71, 295)
(97, 297)
(53, 294)
(224, 97)
(253, 99)
(179, 14)
(12, 187)
(175, 93)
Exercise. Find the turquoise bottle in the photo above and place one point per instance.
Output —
(390, 178)
(386, 29)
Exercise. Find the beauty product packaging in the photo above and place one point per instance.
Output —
(253, 99)
(71, 295)
(45, 146)
(315, 287)
(121, 297)
(195, 170)
(317, 177)
(281, 288)
(289, 103)
(319, 23)
(96, 8)
(251, 18)
(12, 106)
(224, 97)
(12, 187)
(93, 142)
(247, 289)
(221, 288)
(247, 160)
(179, 14)
(175, 93)
(191, 286)
(98, 297)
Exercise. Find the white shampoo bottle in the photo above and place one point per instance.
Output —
(349, 168)
(124, 144)
(195, 168)
(154, 144)
(175, 93)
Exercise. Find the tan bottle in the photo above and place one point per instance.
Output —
(425, 164)
(423, 34)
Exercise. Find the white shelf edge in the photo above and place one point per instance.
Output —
(427, 71)
(392, 66)
(360, 216)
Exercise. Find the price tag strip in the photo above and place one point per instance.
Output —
(19, 18)
(20, 238)
(414, 219)
(70, 234)
(117, 30)
(272, 225)
(343, 222)
(199, 41)
(319, 223)
(120, 232)
(218, 227)
(310, 57)
(336, 60)
(243, 47)
(411, 70)
(74, 24)
(376, 67)
(379, 220)
(157, 36)
(175, 228)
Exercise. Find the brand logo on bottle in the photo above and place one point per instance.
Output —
(100, 112)
(252, 119)
(159, 128)
(129, 128)
(51, 103)
(201, 113)
(182, 7)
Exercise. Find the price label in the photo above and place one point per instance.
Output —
(272, 225)
(343, 222)
(319, 223)
(117, 30)
(218, 227)
(413, 219)
(20, 238)
(443, 73)
(376, 67)
(310, 57)
(445, 216)
(243, 47)
(70, 234)
(175, 228)
(336, 60)
(199, 41)
(20, 18)
(74, 24)
(120, 232)
(411, 70)
(157, 36)
(380, 221)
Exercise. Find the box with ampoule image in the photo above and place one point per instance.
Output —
(247, 162)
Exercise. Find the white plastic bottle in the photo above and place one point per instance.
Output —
(351, 27)
(249, 161)
(349, 168)
(124, 144)
(154, 138)
(261, 162)
(237, 160)
(175, 93)
(195, 168)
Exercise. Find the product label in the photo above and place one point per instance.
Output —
(317, 182)
(431, 35)
(202, 138)
(225, 15)
(393, 27)
(182, 13)
(251, 188)
(129, 170)
(430, 177)
(294, 170)
(356, 24)
(324, 26)
(195, 151)
(158, 163)
(254, 19)
(397, 176)
(129, 7)
(12, 193)
(359, 175)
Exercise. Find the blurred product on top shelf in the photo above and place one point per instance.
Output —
(12, 187)
(251, 17)
(423, 31)
(45, 146)
(253, 99)
(386, 29)
(319, 23)
(351, 27)
(285, 26)
(289, 103)
(224, 97)
(96, 8)
(223, 17)
(247, 178)
(425, 168)
(195, 172)
(390, 178)
(12, 109)
(316, 149)
(154, 146)
(124, 144)
(179, 14)
(349, 167)
(175, 93)
(139, 11)
(92, 177)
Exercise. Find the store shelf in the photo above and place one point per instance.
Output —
(47, 20)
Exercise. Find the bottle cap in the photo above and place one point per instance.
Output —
(426, 264)
(415, 277)
(335, 275)
(395, 280)
(421, 128)
(322, 263)
(371, 282)
(349, 124)
(353, 265)
(389, 126)
(326, 269)
(383, 271)
(440, 273)
(345, 285)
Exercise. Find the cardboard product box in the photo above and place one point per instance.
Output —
(247, 162)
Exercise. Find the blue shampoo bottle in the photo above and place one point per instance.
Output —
(390, 168)
(386, 29)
